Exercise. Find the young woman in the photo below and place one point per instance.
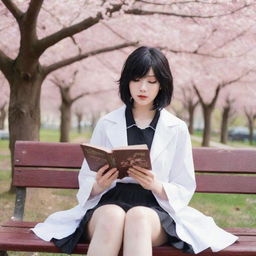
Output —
(150, 207)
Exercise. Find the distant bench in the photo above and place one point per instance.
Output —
(41, 165)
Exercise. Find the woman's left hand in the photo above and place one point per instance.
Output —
(145, 177)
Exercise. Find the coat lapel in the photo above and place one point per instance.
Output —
(117, 132)
(163, 134)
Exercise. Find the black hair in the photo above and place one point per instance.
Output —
(137, 65)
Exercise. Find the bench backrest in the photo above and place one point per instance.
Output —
(55, 165)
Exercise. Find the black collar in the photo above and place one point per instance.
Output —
(131, 122)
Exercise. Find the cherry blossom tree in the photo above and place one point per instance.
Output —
(45, 31)
(190, 101)
(67, 100)
(227, 105)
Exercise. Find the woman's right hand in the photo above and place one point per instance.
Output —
(104, 180)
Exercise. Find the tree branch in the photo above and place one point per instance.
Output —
(112, 30)
(33, 11)
(224, 84)
(198, 94)
(89, 93)
(76, 58)
(60, 23)
(233, 38)
(52, 39)
(196, 52)
(217, 91)
(136, 11)
(14, 10)
(178, 3)
(73, 78)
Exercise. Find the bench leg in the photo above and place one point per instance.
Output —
(3, 253)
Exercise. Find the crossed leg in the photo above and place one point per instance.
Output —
(139, 229)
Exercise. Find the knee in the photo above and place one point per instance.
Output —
(137, 215)
(110, 216)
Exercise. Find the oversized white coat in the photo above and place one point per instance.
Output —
(172, 163)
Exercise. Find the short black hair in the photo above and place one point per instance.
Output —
(137, 65)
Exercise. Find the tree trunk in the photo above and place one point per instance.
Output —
(24, 111)
(2, 116)
(65, 123)
(191, 111)
(79, 120)
(224, 125)
(207, 113)
(251, 126)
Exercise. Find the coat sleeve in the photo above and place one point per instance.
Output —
(181, 185)
(86, 177)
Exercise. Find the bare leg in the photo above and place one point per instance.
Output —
(105, 230)
(142, 231)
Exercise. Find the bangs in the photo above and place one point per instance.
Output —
(140, 67)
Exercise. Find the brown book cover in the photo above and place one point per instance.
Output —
(122, 158)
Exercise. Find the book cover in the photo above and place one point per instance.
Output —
(122, 158)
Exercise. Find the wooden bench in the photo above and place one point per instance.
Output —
(40, 165)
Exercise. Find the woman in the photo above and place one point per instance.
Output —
(148, 208)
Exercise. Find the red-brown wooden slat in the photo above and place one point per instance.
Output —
(19, 224)
(68, 179)
(226, 184)
(40, 178)
(242, 231)
(43, 154)
(30, 224)
(17, 241)
(225, 160)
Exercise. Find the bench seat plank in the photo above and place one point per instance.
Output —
(31, 224)
(23, 239)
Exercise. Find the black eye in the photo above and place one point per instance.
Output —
(136, 79)
(152, 82)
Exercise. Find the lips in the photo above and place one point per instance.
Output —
(142, 96)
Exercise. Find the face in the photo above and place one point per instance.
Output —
(144, 90)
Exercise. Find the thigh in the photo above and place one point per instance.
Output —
(158, 235)
(110, 214)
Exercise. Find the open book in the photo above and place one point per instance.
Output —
(122, 158)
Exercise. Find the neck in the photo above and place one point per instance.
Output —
(143, 112)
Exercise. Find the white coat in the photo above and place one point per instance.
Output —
(172, 163)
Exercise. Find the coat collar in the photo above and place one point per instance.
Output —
(117, 133)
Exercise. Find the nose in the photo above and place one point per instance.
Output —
(143, 86)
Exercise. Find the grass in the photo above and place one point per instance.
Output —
(227, 210)
(53, 136)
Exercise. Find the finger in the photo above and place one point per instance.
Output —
(138, 175)
(139, 168)
(142, 170)
(102, 169)
(137, 172)
(114, 176)
(108, 174)
(108, 178)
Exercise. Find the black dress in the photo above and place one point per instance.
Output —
(128, 195)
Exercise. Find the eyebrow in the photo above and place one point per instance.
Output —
(151, 76)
